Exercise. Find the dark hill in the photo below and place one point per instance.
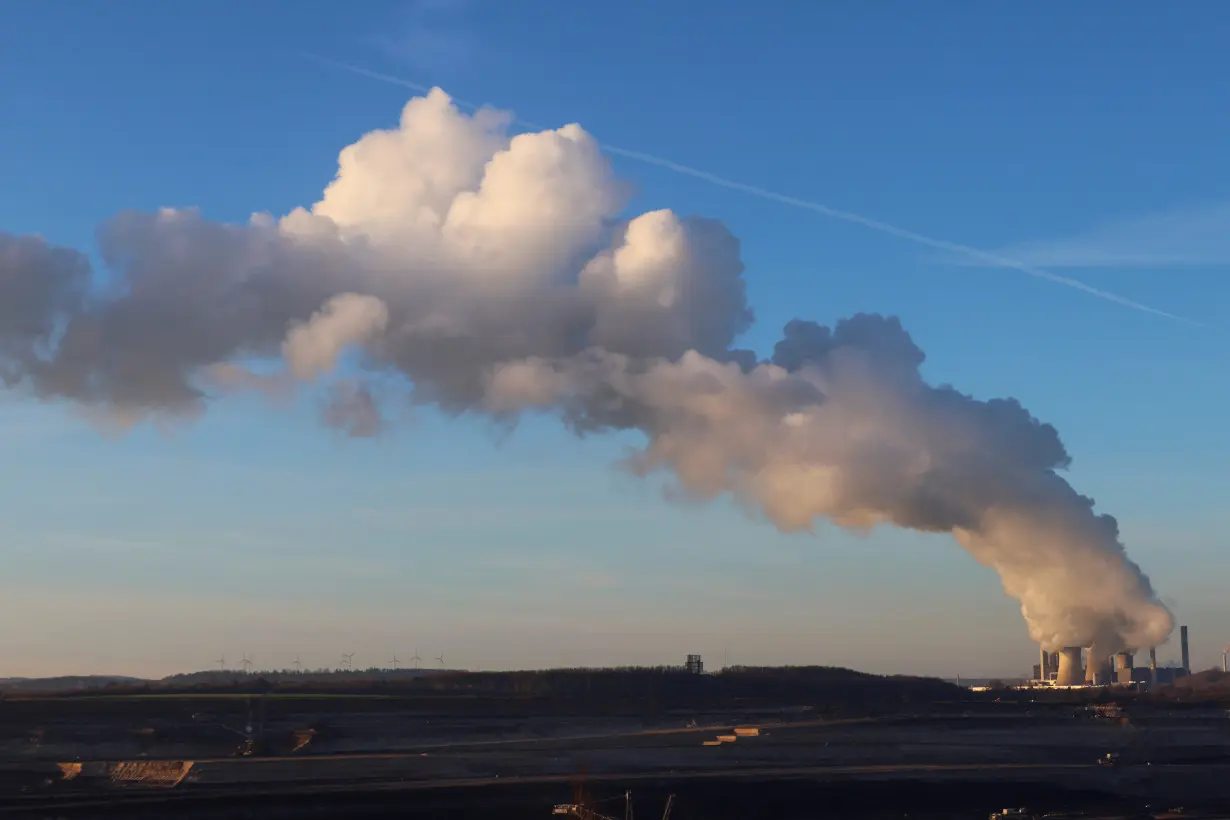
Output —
(67, 683)
(824, 690)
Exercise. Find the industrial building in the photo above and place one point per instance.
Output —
(1074, 666)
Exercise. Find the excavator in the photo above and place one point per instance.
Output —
(586, 811)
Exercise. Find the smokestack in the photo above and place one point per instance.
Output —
(1183, 642)
(1153, 659)
(1070, 669)
(1044, 668)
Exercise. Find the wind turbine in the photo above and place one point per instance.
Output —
(440, 658)
(298, 666)
(415, 657)
(395, 662)
(247, 664)
(221, 663)
(348, 660)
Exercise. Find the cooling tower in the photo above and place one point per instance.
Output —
(1071, 672)
(1123, 667)
(1097, 670)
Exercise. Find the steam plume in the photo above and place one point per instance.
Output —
(313, 348)
(494, 275)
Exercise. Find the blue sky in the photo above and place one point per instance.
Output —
(1087, 140)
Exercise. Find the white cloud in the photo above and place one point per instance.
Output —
(313, 347)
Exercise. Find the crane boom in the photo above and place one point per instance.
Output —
(583, 812)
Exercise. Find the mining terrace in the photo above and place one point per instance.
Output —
(814, 745)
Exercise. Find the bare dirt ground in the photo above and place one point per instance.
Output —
(843, 792)
(369, 758)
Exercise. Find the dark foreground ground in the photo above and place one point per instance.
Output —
(893, 766)
(390, 756)
(798, 796)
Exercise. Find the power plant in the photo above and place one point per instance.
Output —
(1075, 666)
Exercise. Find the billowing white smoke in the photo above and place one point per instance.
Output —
(494, 275)
(313, 348)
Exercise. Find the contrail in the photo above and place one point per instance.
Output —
(992, 259)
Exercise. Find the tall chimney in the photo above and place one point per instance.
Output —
(1070, 671)
(1045, 667)
(1153, 666)
(1183, 642)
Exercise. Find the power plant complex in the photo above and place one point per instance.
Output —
(1076, 666)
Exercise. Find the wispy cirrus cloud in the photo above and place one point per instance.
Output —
(430, 35)
(1191, 236)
